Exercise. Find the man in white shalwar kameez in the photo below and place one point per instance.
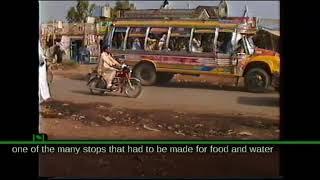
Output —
(43, 92)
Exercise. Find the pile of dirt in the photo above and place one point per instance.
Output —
(205, 126)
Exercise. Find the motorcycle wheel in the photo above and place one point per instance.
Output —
(135, 89)
(96, 83)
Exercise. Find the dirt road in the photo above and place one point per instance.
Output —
(177, 97)
(178, 110)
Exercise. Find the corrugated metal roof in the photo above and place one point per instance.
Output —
(274, 32)
(270, 24)
(177, 13)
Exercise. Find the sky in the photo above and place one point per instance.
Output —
(57, 10)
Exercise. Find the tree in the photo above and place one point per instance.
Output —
(80, 12)
(122, 5)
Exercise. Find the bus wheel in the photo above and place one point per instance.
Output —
(146, 73)
(257, 80)
(164, 77)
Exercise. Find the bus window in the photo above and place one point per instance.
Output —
(224, 44)
(179, 39)
(156, 39)
(118, 38)
(203, 40)
(136, 38)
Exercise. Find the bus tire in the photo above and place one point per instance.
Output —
(146, 73)
(163, 77)
(257, 80)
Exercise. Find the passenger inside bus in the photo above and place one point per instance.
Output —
(135, 39)
(178, 44)
(151, 42)
(162, 41)
(136, 45)
(240, 47)
(196, 44)
(179, 39)
(224, 44)
(118, 40)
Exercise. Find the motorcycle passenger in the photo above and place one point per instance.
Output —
(107, 67)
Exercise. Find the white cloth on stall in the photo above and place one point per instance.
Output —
(65, 41)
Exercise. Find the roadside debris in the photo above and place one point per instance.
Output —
(230, 131)
(148, 128)
(100, 106)
(245, 133)
(206, 126)
(107, 118)
(179, 133)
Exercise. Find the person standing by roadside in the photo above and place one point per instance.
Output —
(86, 54)
(58, 50)
(44, 91)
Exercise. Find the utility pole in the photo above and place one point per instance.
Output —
(53, 32)
(84, 32)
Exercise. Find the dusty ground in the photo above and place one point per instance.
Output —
(102, 121)
(186, 108)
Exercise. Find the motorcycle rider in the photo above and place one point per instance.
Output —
(108, 66)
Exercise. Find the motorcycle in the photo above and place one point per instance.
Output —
(123, 83)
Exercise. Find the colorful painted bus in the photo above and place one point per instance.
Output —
(157, 49)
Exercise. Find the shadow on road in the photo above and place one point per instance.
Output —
(82, 92)
(199, 85)
(259, 101)
(88, 93)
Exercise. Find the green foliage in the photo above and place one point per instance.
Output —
(122, 5)
(80, 12)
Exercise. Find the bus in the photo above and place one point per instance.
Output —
(157, 49)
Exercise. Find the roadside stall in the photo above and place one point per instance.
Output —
(93, 46)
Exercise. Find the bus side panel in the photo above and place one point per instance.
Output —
(179, 64)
